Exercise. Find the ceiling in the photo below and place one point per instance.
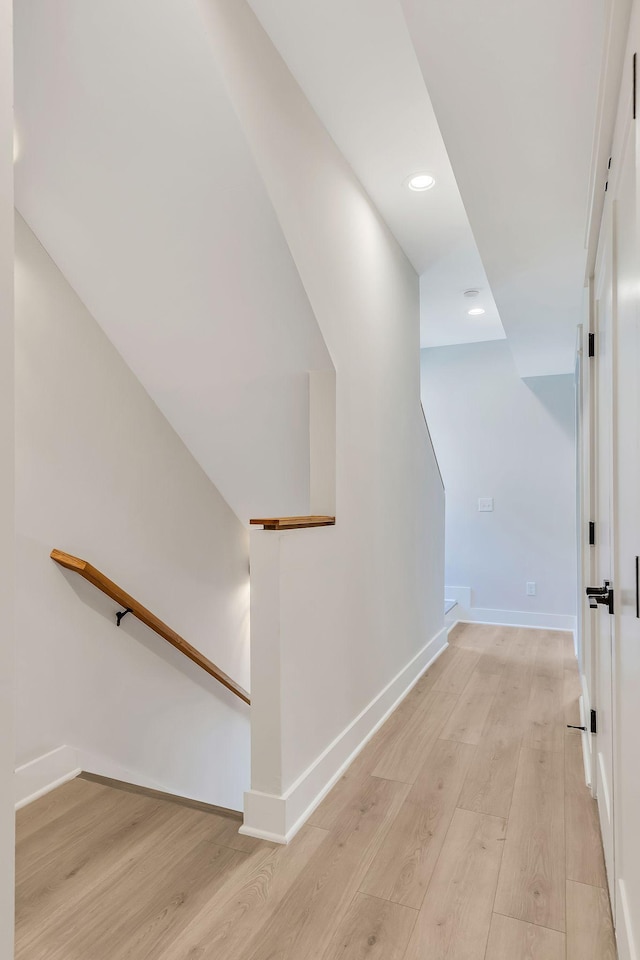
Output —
(496, 100)
(511, 89)
(515, 88)
(356, 65)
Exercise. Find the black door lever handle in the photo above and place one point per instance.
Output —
(603, 595)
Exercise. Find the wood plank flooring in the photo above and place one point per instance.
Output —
(463, 831)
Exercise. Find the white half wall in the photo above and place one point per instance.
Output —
(343, 611)
(498, 436)
(102, 475)
(298, 652)
(6, 484)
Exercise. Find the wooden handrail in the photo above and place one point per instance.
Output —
(293, 523)
(116, 593)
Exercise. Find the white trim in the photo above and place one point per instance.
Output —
(518, 618)
(462, 595)
(624, 931)
(584, 739)
(266, 835)
(278, 818)
(603, 787)
(38, 777)
(587, 740)
(32, 780)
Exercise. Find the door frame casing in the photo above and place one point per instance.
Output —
(604, 466)
(585, 413)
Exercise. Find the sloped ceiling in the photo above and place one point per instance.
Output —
(355, 63)
(134, 173)
(498, 101)
(515, 90)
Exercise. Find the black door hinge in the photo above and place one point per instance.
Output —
(635, 83)
(592, 344)
(592, 533)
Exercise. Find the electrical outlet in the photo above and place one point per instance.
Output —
(531, 588)
(485, 504)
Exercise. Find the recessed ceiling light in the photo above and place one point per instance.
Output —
(420, 182)
(471, 293)
(476, 312)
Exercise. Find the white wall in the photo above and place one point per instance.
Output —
(138, 180)
(102, 475)
(514, 440)
(337, 612)
(6, 483)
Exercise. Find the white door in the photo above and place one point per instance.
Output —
(626, 405)
(602, 620)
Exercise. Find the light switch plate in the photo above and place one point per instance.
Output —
(485, 504)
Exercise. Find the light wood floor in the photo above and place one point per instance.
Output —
(463, 831)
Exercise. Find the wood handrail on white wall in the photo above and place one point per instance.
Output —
(99, 580)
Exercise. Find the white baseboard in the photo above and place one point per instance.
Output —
(517, 618)
(467, 613)
(278, 818)
(462, 595)
(32, 780)
(39, 776)
(627, 949)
